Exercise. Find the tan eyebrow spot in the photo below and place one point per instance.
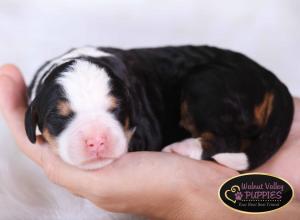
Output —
(263, 110)
(64, 108)
(113, 102)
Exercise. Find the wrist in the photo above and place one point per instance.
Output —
(198, 203)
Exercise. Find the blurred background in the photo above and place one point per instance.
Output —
(32, 31)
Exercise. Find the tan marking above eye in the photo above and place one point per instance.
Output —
(187, 122)
(113, 103)
(64, 108)
(264, 110)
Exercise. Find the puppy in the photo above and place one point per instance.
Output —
(95, 104)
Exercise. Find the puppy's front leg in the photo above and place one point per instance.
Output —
(190, 147)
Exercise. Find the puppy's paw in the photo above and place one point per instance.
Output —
(236, 161)
(189, 147)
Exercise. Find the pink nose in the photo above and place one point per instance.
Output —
(95, 144)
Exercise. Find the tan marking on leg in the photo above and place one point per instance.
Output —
(64, 108)
(187, 121)
(264, 110)
(207, 139)
(245, 143)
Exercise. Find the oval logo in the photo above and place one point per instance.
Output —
(256, 193)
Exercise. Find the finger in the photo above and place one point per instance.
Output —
(76, 180)
(10, 73)
(13, 106)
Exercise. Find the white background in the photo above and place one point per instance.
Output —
(32, 31)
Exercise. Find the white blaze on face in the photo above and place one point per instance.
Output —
(94, 137)
(46, 70)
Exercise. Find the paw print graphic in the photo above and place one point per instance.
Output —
(238, 196)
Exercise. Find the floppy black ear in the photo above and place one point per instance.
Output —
(31, 122)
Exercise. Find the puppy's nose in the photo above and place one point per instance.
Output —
(95, 144)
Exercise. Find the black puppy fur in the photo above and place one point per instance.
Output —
(171, 93)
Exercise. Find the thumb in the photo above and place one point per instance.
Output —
(12, 88)
(13, 106)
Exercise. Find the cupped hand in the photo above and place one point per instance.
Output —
(142, 183)
(153, 184)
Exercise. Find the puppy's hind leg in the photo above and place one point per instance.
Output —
(192, 148)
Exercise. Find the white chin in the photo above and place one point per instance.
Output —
(96, 164)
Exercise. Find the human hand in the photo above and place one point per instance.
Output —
(134, 183)
(152, 184)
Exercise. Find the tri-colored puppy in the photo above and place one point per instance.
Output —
(94, 104)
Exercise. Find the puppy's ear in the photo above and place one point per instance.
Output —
(31, 120)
